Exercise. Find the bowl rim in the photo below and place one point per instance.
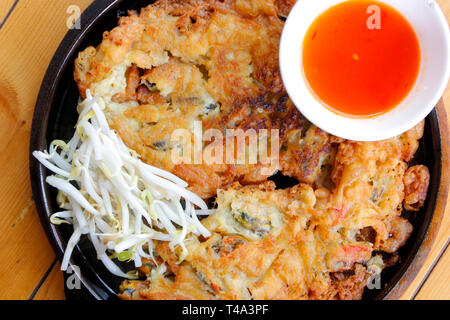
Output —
(96, 287)
(366, 127)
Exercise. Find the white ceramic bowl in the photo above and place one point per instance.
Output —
(432, 31)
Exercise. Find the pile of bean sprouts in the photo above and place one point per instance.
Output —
(107, 193)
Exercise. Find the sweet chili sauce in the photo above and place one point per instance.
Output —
(358, 67)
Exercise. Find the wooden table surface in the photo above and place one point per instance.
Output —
(30, 31)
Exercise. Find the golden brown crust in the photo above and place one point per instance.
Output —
(133, 80)
(410, 141)
(94, 64)
(351, 287)
(174, 57)
(264, 245)
(400, 230)
(284, 6)
(417, 180)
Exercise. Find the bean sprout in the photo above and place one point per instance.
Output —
(107, 193)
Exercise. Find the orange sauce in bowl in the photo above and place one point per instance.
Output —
(358, 62)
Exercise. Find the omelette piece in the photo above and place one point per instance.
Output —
(372, 182)
(178, 63)
(263, 246)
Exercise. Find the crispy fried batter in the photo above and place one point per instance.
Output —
(349, 288)
(416, 181)
(264, 246)
(94, 65)
(215, 62)
(172, 59)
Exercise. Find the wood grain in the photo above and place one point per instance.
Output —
(437, 285)
(28, 41)
(53, 287)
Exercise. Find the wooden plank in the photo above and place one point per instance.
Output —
(5, 6)
(27, 45)
(437, 286)
(53, 286)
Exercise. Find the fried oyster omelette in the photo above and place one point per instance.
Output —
(216, 61)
